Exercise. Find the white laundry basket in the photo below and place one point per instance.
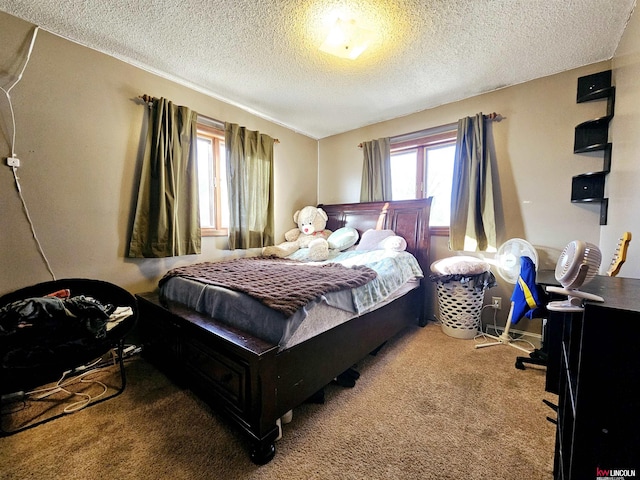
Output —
(461, 283)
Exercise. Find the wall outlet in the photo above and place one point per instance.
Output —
(13, 161)
(496, 302)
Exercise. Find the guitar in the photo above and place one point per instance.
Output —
(620, 255)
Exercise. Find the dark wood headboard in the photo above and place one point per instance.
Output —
(407, 218)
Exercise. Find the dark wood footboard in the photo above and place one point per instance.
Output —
(232, 371)
(250, 381)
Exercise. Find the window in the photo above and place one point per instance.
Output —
(212, 180)
(422, 166)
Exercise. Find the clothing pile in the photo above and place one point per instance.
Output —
(34, 329)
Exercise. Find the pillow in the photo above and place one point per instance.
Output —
(372, 238)
(343, 238)
(394, 242)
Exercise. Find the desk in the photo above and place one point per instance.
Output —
(596, 359)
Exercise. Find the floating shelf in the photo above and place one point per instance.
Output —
(593, 136)
(593, 87)
(588, 187)
(597, 94)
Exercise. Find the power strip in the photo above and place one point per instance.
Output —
(131, 350)
(12, 397)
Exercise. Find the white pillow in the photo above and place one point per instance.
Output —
(394, 242)
(371, 239)
(343, 238)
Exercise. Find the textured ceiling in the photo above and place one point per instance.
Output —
(263, 56)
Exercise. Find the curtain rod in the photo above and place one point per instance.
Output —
(217, 123)
(494, 117)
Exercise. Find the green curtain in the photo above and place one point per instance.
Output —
(376, 171)
(167, 218)
(250, 187)
(473, 220)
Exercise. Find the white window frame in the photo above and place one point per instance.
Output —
(215, 180)
(421, 142)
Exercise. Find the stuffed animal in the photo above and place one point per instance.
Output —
(310, 234)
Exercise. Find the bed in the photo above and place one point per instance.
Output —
(255, 380)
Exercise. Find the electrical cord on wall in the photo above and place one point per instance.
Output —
(13, 161)
(33, 230)
(483, 335)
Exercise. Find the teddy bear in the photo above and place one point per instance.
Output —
(310, 233)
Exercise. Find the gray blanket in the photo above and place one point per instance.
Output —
(282, 284)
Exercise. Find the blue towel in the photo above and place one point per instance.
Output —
(526, 294)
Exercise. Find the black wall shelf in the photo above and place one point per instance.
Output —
(595, 86)
(593, 136)
(588, 187)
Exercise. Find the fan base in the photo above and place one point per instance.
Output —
(574, 302)
(503, 339)
(564, 306)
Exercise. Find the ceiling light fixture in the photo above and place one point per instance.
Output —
(346, 40)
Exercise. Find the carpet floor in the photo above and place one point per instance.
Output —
(427, 406)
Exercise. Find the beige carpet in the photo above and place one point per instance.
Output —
(428, 406)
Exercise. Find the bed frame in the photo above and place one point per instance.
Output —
(254, 383)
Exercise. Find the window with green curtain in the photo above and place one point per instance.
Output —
(167, 220)
(250, 187)
(376, 171)
(473, 218)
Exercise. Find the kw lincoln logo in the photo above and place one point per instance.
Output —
(614, 474)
